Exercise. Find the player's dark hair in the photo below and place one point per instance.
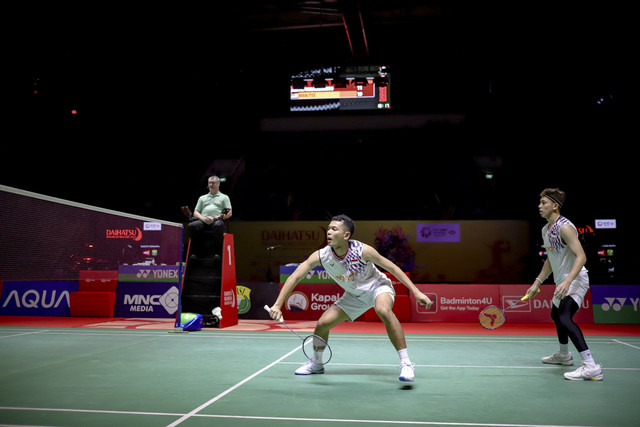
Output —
(346, 221)
(555, 195)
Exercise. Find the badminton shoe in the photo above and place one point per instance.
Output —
(558, 358)
(407, 372)
(310, 368)
(585, 373)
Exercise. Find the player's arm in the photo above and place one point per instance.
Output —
(370, 254)
(545, 271)
(570, 238)
(298, 274)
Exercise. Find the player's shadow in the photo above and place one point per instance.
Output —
(373, 372)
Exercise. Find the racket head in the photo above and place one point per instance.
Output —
(491, 317)
(312, 342)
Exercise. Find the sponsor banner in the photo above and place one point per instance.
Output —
(36, 298)
(98, 280)
(606, 224)
(98, 275)
(148, 273)
(616, 303)
(490, 252)
(140, 299)
(309, 300)
(317, 292)
(317, 275)
(440, 232)
(320, 275)
(463, 303)
(253, 296)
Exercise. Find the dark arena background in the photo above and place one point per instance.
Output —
(401, 114)
(488, 105)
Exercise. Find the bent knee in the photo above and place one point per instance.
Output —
(385, 312)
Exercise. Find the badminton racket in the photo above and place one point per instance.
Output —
(492, 317)
(318, 346)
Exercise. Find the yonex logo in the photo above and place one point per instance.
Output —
(617, 303)
(142, 274)
(158, 274)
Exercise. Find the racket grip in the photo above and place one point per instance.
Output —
(266, 307)
(526, 297)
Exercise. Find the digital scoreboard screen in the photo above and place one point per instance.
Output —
(341, 88)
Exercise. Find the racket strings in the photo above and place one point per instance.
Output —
(318, 349)
(491, 317)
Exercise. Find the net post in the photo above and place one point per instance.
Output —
(176, 327)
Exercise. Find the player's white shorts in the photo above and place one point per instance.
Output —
(356, 306)
(577, 290)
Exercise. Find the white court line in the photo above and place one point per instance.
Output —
(23, 333)
(87, 411)
(229, 390)
(392, 365)
(255, 417)
(338, 336)
(627, 344)
(399, 422)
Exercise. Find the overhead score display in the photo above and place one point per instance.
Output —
(341, 88)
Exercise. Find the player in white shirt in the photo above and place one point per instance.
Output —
(352, 264)
(566, 260)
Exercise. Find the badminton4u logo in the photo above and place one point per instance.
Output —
(124, 233)
(146, 303)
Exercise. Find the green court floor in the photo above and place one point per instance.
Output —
(103, 377)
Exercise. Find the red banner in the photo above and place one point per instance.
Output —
(463, 303)
(309, 300)
(228, 298)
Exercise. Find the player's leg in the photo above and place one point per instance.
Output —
(330, 318)
(562, 356)
(589, 369)
(384, 309)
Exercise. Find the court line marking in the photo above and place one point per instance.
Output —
(230, 389)
(23, 333)
(349, 420)
(459, 366)
(346, 337)
(88, 411)
(627, 344)
(271, 418)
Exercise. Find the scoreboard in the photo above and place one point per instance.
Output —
(351, 89)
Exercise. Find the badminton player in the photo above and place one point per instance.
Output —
(352, 264)
(566, 260)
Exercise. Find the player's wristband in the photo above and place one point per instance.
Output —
(538, 279)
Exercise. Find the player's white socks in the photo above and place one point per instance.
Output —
(317, 355)
(404, 355)
(564, 348)
(587, 358)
